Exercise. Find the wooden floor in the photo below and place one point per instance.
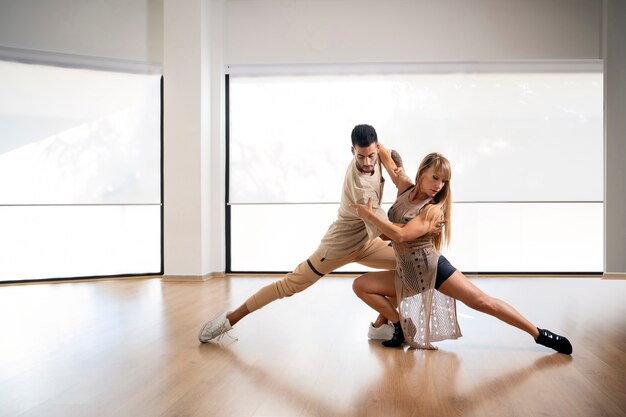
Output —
(129, 348)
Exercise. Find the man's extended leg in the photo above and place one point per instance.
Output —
(305, 275)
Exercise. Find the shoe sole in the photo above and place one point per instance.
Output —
(379, 337)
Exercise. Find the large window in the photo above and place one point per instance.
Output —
(80, 172)
(526, 148)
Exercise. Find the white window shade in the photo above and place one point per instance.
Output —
(509, 136)
(486, 237)
(78, 136)
(80, 172)
(526, 148)
(78, 241)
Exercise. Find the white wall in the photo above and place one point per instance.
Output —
(134, 31)
(349, 31)
(118, 29)
(299, 31)
(258, 32)
(193, 171)
(615, 136)
(216, 250)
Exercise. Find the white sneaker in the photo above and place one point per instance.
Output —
(214, 328)
(384, 332)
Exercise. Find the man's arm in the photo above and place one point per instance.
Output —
(392, 161)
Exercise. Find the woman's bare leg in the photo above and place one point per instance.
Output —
(380, 320)
(459, 287)
(376, 289)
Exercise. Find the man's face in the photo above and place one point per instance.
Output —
(366, 157)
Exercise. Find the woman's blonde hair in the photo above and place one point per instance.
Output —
(443, 199)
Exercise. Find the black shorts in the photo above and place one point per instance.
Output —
(444, 271)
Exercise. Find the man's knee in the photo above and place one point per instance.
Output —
(287, 288)
(297, 281)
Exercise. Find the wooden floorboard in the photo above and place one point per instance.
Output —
(129, 348)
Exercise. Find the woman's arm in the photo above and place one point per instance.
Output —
(427, 222)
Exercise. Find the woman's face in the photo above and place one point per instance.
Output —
(431, 181)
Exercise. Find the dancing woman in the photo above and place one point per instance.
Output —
(425, 283)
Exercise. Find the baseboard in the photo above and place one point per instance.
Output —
(614, 275)
(192, 278)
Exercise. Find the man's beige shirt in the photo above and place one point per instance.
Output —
(349, 233)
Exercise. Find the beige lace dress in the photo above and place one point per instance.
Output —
(426, 314)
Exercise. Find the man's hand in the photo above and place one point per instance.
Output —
(400, 171)
(437, 227)
(363, 210)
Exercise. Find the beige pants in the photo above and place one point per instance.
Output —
(375, 254)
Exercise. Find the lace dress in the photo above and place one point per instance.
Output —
(426, 314)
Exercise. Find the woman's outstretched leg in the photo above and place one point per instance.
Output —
(459, 287)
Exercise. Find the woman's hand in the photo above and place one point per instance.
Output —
(363, 210)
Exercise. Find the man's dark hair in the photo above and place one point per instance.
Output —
(363, 136)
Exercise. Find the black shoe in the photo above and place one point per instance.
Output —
(554, 341)
(398, 337)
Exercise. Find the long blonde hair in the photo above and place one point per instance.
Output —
(443, 199)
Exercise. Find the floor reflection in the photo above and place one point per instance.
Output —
(410, 382)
